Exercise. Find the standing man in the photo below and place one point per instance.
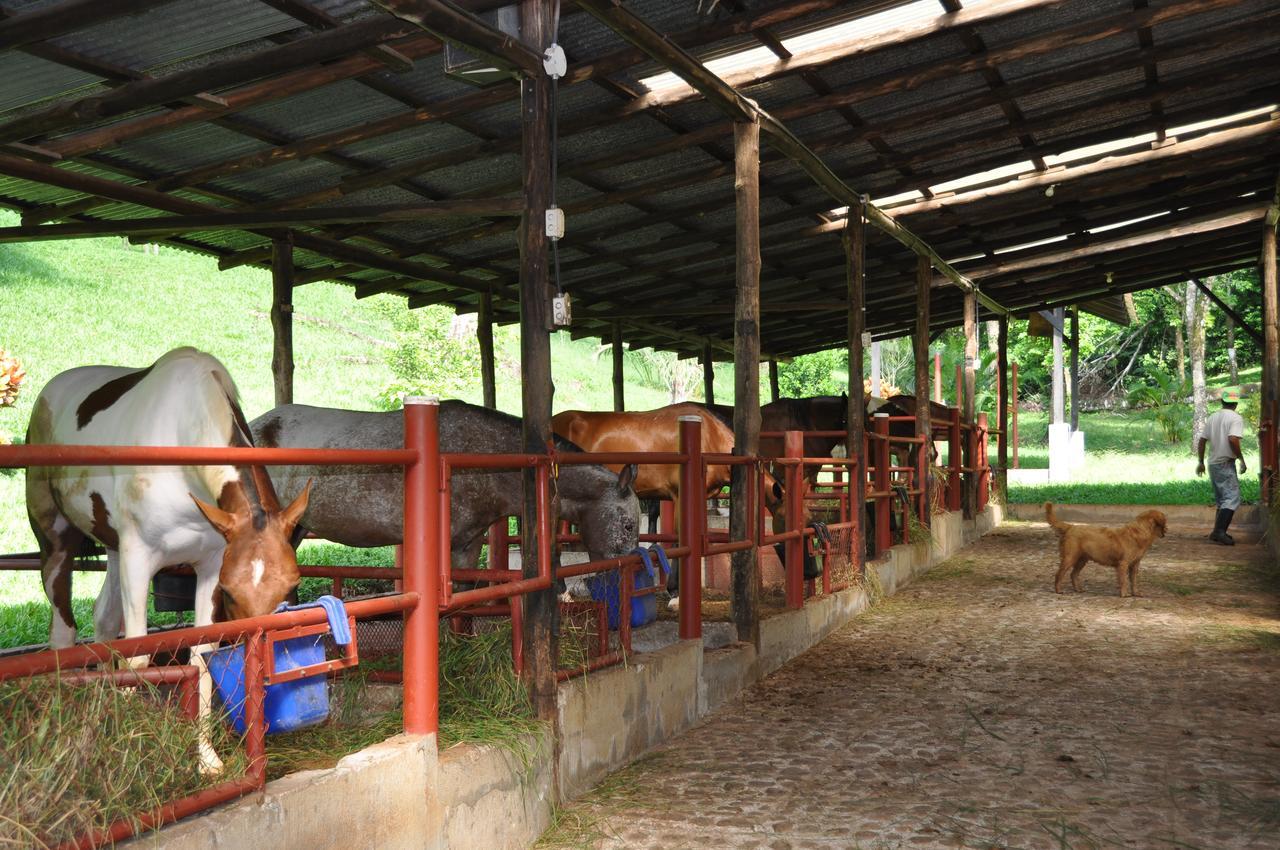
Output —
(1222, 432)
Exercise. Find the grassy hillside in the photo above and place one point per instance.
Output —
(102, 301)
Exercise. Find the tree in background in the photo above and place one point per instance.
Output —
(427, 358)
(1195, 320)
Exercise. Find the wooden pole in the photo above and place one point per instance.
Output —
(743, 522)
(541, 608)
(774, 392)
(970, 489)
(1270, 349)
(1075, 367)
(855, 243)
(282, 317)
(484, 335)
(1002, 407)
(1059, 405)
(619, 395)
(924, 427)
(1013, 403)
(708, 376)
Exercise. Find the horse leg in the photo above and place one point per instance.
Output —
(137, 563)
(677, 564)
(58, 554)
(206, 585)
(108, 616)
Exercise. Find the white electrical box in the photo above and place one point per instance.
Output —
(866, 339)
(561, 311)
(555, 223)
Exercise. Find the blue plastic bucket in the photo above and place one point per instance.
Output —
(289, 706)
(605, 587)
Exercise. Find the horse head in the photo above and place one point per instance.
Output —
(259, 565)
(609, 515)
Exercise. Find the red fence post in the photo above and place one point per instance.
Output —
(984, 467)
(953, 461)
(422, 566)
(793, 563)
(880, 426)
(693, 524)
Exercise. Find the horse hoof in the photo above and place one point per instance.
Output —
(210, 764)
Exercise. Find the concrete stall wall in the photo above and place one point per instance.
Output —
(401, 793)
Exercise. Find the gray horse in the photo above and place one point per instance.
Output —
(364, 505)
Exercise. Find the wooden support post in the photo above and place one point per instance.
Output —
(282, 317)
(1075, 367)
(484, 336)
(541, 608)
(924, 279)
(498, 544)
(619, 397)
(743, 523)
(1002, 409)
(793, 549)
(970, 491)
(1059, 405)
(708, 375)
(1013, 417)
(955, 454)
(855, 243)
(774, 392)
(984, 467)
(883, 503)
(1270, 356)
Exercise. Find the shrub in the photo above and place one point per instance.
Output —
(427, 359)
(11, 377)
(1166, 396)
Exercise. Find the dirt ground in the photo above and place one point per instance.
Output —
(978, 709)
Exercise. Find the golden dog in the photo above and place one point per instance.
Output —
(1121, 548)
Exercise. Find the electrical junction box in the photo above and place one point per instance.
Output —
(561, 311)
(555, 223)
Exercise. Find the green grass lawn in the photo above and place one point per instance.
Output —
(1127, 461)
(101, 301)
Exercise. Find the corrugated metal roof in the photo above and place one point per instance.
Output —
(900, 150)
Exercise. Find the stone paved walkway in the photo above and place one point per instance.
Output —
(977, 709)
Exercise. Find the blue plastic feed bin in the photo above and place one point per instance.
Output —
(289, 705)
(606, 588)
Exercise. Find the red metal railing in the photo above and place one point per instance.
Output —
(426, 576)
(417, 603)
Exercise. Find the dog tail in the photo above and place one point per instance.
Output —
(1058, 525)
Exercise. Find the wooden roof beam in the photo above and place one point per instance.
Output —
(449, 23)
(167, 225)
(1251, 133)
(738, 107)
(332, 248)
(228, 72)
(59, 18)
(322, 20)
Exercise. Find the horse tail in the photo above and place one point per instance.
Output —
(1058, 525)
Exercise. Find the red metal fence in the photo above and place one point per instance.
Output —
(425, 577)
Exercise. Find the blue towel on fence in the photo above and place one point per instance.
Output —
(332, 605)
(644, 554)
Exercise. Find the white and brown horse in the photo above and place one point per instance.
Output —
(223, 520)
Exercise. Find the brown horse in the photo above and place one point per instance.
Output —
(653, 431)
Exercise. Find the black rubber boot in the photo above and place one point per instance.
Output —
(1219, 534)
